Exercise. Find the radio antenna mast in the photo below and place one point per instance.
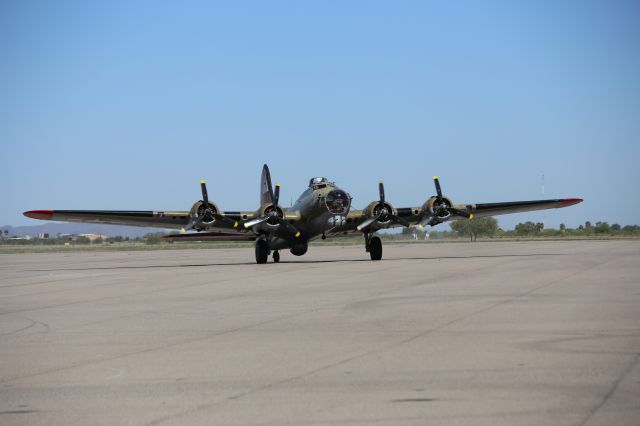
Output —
(542, 193)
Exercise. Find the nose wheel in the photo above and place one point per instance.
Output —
(276, 256)
(373, 245)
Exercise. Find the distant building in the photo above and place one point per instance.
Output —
(92, 237)
(43, 235)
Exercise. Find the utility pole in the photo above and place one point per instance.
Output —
(542, 193)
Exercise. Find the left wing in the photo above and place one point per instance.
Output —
(437, 209)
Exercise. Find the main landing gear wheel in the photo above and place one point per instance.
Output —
(276, 256)
(375, 248)
(373, 245)
(262, 251)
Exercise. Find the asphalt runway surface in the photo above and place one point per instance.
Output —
(504, 333)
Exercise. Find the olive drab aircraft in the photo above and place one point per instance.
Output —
(322, 210)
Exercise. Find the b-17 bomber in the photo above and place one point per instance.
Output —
(323, 210)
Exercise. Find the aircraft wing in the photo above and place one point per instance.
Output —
(413, 215)
(494, 209)
(147, 218)
(466, 211)
(157, 219)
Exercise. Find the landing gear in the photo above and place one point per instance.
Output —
(262, 251)
(276, 256)
(375, 248)
(373, 245)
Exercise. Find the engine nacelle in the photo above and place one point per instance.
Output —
(197, 211)
(374, 208)
(433, 209)
(268, 209)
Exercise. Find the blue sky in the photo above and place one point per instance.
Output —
(127, 105)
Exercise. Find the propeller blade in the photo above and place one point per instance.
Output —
(289, 227)
(438, 189)
(368, 222)
(205, 196)
(207, 214)
(381, 188)
(424, 222)
(255, 222)
(400, 220)
(195, 223)
(276, 197)
(226, 220)
(199, 220)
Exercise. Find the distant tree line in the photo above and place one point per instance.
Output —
(488, 227)
(483, 226)
(62, 240)
(600, 228)
(150, 238)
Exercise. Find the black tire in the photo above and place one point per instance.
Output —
(262, 251)
(276, 256)
(375, 248)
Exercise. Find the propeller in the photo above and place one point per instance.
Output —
(272, 216)
(383, 213)
(208, 214)
(441, 208)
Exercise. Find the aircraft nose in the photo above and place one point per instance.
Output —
(338, 201)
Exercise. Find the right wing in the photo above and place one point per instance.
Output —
(178, 219)
(211, 236)
(153, 219)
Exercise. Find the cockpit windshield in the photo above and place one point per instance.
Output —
(318, 181)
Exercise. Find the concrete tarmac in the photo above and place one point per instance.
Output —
(496, 333)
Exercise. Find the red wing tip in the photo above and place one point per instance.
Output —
(39, 214)
(571, 201)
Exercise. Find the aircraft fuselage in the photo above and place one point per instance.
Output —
(321, 208)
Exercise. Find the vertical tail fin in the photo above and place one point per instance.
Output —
(266, 190)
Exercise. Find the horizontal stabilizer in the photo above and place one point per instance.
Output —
(210, 236)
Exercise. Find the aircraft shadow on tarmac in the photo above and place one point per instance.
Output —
(200, 265)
